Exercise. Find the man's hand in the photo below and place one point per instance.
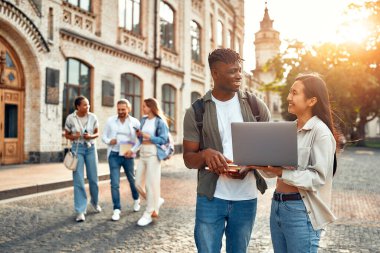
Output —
(239, 174)
(129, 154)
(215, 161)
(113, 142)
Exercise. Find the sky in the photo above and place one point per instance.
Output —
(309, 21)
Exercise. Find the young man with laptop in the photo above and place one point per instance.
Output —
(226, 200)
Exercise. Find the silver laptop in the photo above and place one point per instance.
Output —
(264, 143)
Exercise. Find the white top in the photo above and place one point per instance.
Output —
(75, 124)
(149, 126)
(228, 188)
(122, 132)
(313, 177)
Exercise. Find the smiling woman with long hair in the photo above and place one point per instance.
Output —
(153, 133)
(302, 199)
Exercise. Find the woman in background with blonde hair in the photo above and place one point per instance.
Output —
(152, 134)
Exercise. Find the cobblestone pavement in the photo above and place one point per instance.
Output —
(45, 223)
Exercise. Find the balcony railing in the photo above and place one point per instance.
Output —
(78, 19)
(197, 69)
(133, 42)
(169, 58)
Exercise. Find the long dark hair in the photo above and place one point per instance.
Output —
(315, 86)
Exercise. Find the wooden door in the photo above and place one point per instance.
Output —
(11, 106)
(11, 126)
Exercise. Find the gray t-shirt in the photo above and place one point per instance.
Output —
(75, 124)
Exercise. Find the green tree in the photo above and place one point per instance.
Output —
(352, 82)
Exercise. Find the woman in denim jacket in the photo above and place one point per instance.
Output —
(301, 204)
(152, 134)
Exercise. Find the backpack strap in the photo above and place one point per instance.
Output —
(156, 125)
(199, 109)
(335, 164)
(252, 101)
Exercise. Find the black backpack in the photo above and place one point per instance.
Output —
(199, 109)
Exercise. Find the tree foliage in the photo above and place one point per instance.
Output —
(351, 72)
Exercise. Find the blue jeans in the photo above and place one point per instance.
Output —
(88, 156)
(217, 216)
(115, 161)
(291, 229)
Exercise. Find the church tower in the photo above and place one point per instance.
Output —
(267, 46)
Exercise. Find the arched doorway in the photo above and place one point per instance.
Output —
(11, 106)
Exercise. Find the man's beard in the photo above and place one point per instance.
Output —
(228, 88)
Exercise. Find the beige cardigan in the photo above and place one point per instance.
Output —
(313, 177)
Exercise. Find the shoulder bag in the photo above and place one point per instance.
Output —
(71, 159)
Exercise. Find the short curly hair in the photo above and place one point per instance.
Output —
(224, 55)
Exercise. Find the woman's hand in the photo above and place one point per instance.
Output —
(146, 136)
(75, 136)
(87, 136)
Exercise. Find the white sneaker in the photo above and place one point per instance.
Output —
(97, 208)
(145, 219)
(116, 215)
(80, 217)
(136, 205)
(160, 202)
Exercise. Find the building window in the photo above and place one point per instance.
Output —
(83, 4)
(167, 25)
(211, 31)
(195, 41)
(219, 28)
(51, 24)
(168, 104)
(10, 70)
(194, 96)
(130, 88)
(229, 38)
(78, 82)
(129, 15)
(237, 45)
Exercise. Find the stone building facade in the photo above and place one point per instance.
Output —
(53, 50)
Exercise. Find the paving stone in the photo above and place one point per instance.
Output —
(45, 223)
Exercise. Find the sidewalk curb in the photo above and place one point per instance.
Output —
(13, 193)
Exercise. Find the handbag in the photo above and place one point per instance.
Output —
(71, 159)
